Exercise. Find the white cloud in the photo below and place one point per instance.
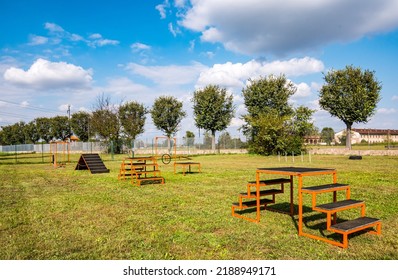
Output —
(44, 74)
(57, 35)
(212, 35)
(191, 45)
(95, 36)
(64, 107)
(76, 37)
(236, 122)
(235, 74)
(96, 40)
(174, 30)
(209, 54)
(258, 26)
(52, 27)
(394, 98)
(303, 90)
(179, 3)
(125, 87)
(24, 104)
(136, 47)
(36, 40)
(169, 75)
(162, 9)
(386, 111)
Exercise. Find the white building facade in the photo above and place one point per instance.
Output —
(359, 135)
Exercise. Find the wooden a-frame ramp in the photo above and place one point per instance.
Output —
(92, 162)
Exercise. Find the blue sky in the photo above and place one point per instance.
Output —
(59, 53)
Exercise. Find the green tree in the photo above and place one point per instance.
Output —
(269, 127)
(80, 125)
(301, 124)
(270, 93)
(266, 95)
(351, 95)
(132, 118)
(105, 123)
(30, 131)
(43, 126)
(225, 141)
(272, 124)
(213, 109)
(167, 114)
(13, 134)
(60, 128)
(189, 138)
(327, 135)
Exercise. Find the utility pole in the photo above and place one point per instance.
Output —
(68, 112)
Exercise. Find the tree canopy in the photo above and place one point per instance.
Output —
(105, 123)
(132, 118)
(213, 109)
(272, 124)
(269, 93)
(327, 135)
(79, 123)
(167, 114)
(351, 95)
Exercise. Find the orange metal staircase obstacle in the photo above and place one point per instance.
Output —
(330, 209)
(140, 169)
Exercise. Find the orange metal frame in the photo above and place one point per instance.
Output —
(54, 151)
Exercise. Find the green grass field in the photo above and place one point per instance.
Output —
(48, 213)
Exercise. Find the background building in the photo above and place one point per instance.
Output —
(370, 136)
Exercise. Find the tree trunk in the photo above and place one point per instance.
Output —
(213, 141)
(348, 137)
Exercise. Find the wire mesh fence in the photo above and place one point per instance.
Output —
(42, 153)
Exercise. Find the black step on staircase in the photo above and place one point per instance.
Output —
(92, 162)
(331, 209)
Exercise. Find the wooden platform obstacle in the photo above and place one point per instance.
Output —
(92, 162)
